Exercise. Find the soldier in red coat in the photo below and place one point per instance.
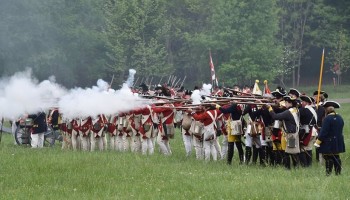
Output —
(146, 130)
(112, 131)
(97, 133)
(84, 132)
(208, 117)
(165, 127)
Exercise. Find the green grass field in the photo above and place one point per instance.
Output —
(52, 173)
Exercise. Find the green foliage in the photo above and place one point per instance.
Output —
(80, 41)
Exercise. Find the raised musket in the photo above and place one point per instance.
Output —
(160, 80)
(150, 82)
(169, 79)
(135, 83)
(182, 83)
(177, 82)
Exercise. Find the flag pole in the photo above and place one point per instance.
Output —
(320, 80)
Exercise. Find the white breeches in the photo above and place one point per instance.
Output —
(187, 140)
(252, 141)
(147, 145)
(209, 149)
(37, 140)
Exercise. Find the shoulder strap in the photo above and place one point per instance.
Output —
(295, 114)
(312, 110)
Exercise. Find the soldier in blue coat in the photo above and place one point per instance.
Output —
(331, 139)
(39, 129)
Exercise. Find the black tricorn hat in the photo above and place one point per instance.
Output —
(289, 98)
(334, 104)
(158, 87)
(294, 92)
(188, 92)
(306, 98)
(144, 87)
(325, 95)
(313, 100)
(181, 89)
(279, 92)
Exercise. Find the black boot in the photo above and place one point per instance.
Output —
(317, 155)
(286, 161)
(329, 164)
(255, 155)
(295, 160)
(240, 152)
(337, 165)
(309, 158)
(230, 152)
(262, 158)
(248, 154)
(303, 159)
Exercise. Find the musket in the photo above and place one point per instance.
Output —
(160, 80)
(241, 98)
(136, 81)
(142, 80)
(150, 81)
(146, 80)
(182, 82)
(2, 124)
(110, 84)
(248, 95)
(244, 102)
(173, 83)
(177, 82)
(169, 79)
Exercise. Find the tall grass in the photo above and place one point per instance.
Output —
(52, 173)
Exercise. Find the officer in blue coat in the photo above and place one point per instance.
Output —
(331, 139)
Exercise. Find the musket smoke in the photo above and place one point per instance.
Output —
(21, 94)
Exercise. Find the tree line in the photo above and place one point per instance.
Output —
(79, 41)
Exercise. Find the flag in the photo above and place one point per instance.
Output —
(256, 89)
(267, 91)
(212, 70)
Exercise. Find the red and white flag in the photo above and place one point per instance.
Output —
(267, 91)
(214, 79)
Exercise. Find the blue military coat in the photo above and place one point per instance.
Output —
(331, 135)
(39, 122)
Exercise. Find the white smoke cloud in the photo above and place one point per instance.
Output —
(206, 89)
(22, 94)
(130, 80)
(196, 97)
(82, 103)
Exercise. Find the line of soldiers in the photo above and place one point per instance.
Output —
(279, 133)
